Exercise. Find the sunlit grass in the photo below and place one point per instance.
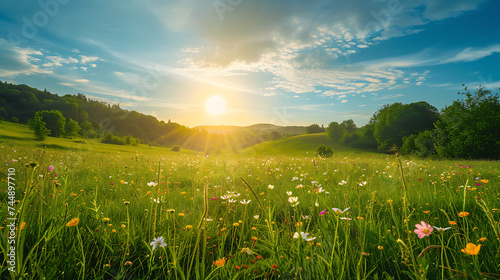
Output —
(245, 229)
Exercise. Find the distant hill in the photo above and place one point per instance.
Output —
(296, 145)
(252, 129)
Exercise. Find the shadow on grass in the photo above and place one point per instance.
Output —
(54, 146)
(15, 138)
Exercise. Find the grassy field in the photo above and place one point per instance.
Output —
(96, 211)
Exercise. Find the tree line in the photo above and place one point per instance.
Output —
(468, 128)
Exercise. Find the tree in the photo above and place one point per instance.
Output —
(314, 128)
(470, 128)
(38, 126)
(349, 125)
(72, 128)
(394, 122)
(55, 122)
(335, 131)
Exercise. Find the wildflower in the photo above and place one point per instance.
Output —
(127, 203)
(305, 217)
(188, 227)
(452, 223)
(114, 230)
(293, 200)
(471, 249)
(423, 229)
(123, 226)
(236, 224)
(23, 224)
(237, 267)
(246, 250)
(345, 219)
(256, 217)
(159, 241)
(51, 168)
(105, 220)
(484, 181)
(181, 214)
(270, 187)
(316, 204)
(289, 193)
(323, 212)
(304, 236)
(380, 247)
(73, 222)
(338, 211)
(245, 202)
(220, 262)
(427, 212)
(127, 263)
(441, 229)
(254, 228)
(360, 218)
(463, 214)
(482, 239)
(152, 184)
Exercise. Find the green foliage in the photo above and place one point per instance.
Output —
(14, 120)
(38, 126)
(393, 122)
(176, 148)
(314, 128)
(349, 125)
(421, 145)
(335, 131)
(55, 122)
(274, 135)
(72, 128)
(324, 151)
(470, 128)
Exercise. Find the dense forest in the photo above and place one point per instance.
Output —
(95, 119)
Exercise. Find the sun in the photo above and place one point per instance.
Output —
(215, 105)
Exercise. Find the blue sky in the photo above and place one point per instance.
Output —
(282, 62)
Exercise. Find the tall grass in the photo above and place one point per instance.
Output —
(125, 200)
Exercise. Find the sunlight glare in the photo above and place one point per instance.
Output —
(215, 105)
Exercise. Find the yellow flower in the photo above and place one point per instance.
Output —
(181, 214)
(360, 218)
(105, 220)
(254, 228)
(452, 223)
(299, 224)
(380, 248)
(113, 230)
(484, 181)
(220, 262)
(463, 214)
(183, 192)
(123, 226)
(427, 212)
(246, 250)
(122, 182)
(23, 224)
(236, 224)
(73, 222)
(482, 239)
(471, 249)
(188, 227)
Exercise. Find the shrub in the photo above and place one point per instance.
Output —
(176, 148)
(324, 151)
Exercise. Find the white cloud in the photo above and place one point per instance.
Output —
(81, 80)
(344, 101)
(17, 61)
(472, 54)
(85, 59)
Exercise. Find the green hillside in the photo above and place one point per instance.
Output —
(295, 145)
(19, 135)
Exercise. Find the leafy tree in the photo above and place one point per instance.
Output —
(470, 128)
(314, 128)
(393, 122)
(324, 151)
(335, 131)
(55, 122)
(421, 145)
(274, 135)
(72, 128)
(349, 125)
(38, 126)
(87, 129)
(176, 148)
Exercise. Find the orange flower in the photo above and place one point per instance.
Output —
(427, 212)
(380, 248)
(23, 224)
(485, 181)
(220, 262)
(73, 222)
(471, 249)
(482, 239)
(452, 223)
(463, 214)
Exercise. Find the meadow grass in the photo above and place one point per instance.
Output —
(235, 216)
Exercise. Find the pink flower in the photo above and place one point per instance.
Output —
(323, 212)
(51, 168)
(423, 229)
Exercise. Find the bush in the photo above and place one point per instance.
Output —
(324, 151)
(176, 148)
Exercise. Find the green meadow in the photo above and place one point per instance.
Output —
(87, 210)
